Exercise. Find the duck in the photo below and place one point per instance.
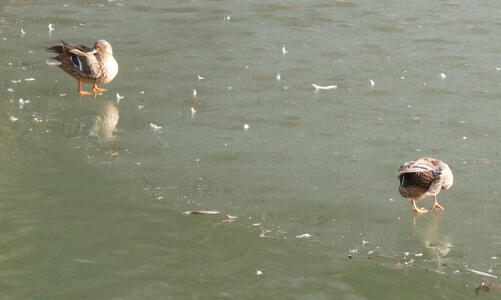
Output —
(94, 65)
(422, 178)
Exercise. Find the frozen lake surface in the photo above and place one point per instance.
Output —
(219, 113)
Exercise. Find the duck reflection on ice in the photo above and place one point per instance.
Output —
(436, 246)
(106, 121)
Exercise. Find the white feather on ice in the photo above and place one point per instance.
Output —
(482, 273)
(304, 236)
(328, 87)
(119, 97)
(155, 127)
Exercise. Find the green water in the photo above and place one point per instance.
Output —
(92, 196)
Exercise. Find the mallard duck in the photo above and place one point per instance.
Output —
(423, 178)
(91, 65)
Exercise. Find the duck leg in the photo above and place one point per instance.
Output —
(417, 209)
(435, 204)
(98, 90)
(83, 93)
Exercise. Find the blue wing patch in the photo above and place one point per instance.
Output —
(75, 60)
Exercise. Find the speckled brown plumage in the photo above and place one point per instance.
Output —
(90, 65)
(422, 178)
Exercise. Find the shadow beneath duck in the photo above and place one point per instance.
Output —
(105, 124)
(426, 229)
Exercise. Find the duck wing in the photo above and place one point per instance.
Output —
(414, 169)
(86, 63)
(436, 184)
(79, 61)
(65, 47)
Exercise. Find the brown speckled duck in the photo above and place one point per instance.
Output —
(423, 178)
(91, 65)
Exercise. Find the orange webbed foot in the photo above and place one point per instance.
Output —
(98, 90)
(84, 93)
(437, 206)
(419, 210)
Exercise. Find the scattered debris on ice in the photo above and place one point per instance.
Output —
(328, 87)
(201, 212)
(401, 266)
(22, 102)
(119, 97)
(155, 127)
(266, 234)
(482, 289)
(228, 218)
(482, 273)
(304, 236)
(85, 261)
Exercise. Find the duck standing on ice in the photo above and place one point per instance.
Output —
(423, 178)
(90, 65)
